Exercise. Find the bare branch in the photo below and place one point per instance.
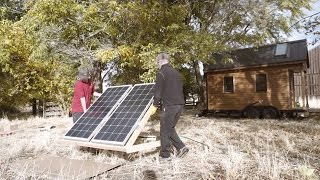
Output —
(304, 19)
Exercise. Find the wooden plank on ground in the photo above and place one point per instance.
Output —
(62, 168)
(142, 147)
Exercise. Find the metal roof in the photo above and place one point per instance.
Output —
(296, 52)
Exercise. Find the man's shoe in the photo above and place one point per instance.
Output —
(182, 152)
(165, 159)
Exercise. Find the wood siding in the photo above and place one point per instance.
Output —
(277, 95)
(313, 75)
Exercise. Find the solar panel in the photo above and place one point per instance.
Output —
(86, 125)
(122, 122)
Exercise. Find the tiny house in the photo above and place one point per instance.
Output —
(259, 82)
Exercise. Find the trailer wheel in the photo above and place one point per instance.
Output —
(270, 113)
(251, 113)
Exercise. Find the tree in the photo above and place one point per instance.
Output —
(12, 10)
(29, 70)
(311, 25)
(29, 67)
(192, 31)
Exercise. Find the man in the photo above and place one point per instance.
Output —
(169, 96)
(83, 91)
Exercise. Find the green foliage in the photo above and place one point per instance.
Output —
(189, 82)
(188, 30)
(28, 69)
(12, 9)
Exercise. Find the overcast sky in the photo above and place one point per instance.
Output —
(300, 35)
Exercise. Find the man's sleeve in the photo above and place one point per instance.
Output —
(158, 89)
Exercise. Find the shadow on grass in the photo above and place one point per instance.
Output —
(149, 175)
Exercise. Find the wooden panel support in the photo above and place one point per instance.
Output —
(142, 147)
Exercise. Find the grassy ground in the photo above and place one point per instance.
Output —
(220, 148)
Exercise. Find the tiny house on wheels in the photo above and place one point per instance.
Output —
(259, 82)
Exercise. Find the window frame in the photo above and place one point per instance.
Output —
(224, 84)
(266, 83)
(278, 48)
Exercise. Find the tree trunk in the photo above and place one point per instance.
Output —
(34, 107)
(97, 79)
(202, 86)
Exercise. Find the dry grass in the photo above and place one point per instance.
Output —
(219, 149)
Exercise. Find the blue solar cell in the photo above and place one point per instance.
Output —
(118, 128)
(83, 129)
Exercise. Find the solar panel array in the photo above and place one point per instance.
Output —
(123, 120)
(114, 116)
(87, 124)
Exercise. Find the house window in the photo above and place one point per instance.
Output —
(228, 84)
(261, 82)
(281, 49)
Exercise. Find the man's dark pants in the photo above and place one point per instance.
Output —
(168, 121)
(76, 116)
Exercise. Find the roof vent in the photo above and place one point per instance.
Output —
(281, 49)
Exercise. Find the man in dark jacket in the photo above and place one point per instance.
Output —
(169, 97)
